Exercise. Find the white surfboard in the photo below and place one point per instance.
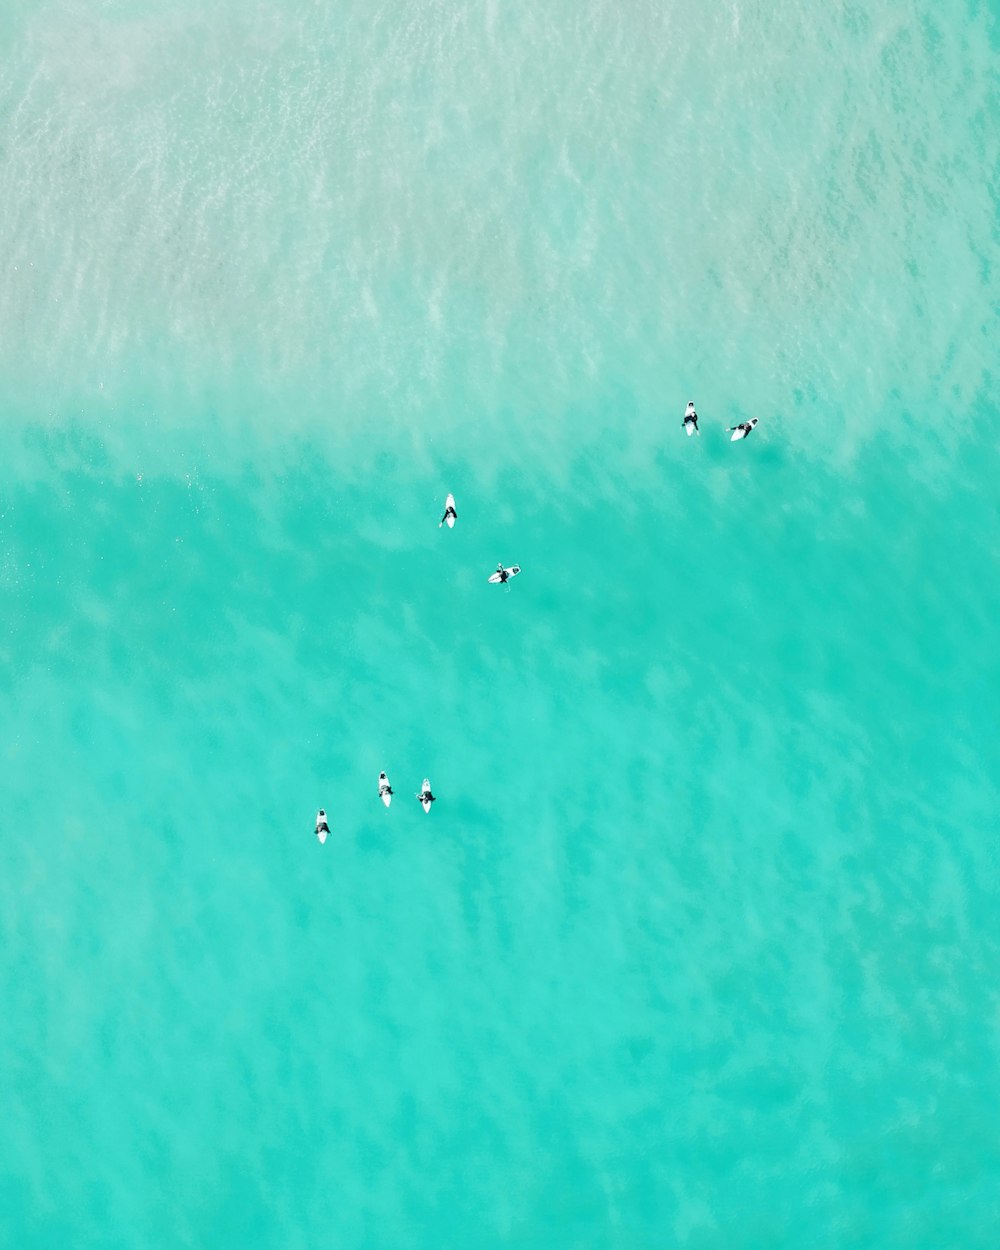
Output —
(450, 512)
(689, 427)
(425, 789)
(513, 571)
(322, 828)
(384, 789)
(739, 433)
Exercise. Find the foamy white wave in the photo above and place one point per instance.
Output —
(413, 221)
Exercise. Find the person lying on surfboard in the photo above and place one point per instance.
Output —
(743, 430)
(502, 575)
(690, 419)
(322, 828)
(383, 784)
(448, 512)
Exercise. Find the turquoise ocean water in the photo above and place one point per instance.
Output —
(700, 946)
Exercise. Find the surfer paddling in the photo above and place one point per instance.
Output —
(502, 576)
(743, 430)
(322, 828)
(450, 515)
(425, 797)
(690, 422)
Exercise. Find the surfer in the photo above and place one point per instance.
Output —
(743, 430)
(691, 419)
(502, 576)
(450, 515)
(384, 788)
(322, 828)
(426, 797)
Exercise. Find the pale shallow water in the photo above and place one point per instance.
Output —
(699, 947)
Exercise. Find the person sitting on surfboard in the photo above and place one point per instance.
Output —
(745, 428)
(691, 418)
(502, 574)
(383, 784)
(448, 512)
(425, 796)
(322, 828)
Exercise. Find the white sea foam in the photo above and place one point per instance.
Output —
(380, 223)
